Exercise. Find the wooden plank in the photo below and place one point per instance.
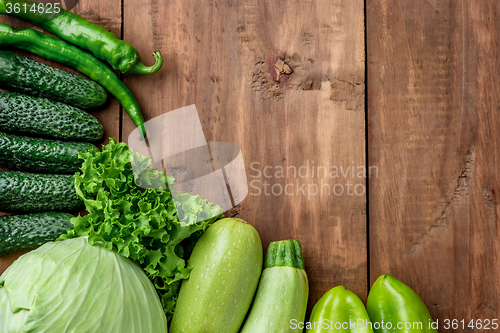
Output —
(107, 14)
(434, 97)
(223, 57)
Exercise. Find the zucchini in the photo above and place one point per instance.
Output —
(30, 192)
(281, 301)
(23, 75)
(41, 155)
(26, 232)
(227, 262)
(40, 116)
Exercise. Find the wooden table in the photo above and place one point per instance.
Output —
(286, 82)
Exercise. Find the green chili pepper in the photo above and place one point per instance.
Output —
(396, 308)
(82, 33)
(339, 310)
(58, 50)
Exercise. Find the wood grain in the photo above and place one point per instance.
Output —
(284, 81)
(107, 14)
(433, 101)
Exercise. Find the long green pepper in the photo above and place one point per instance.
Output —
(58, 50)
(76, 30)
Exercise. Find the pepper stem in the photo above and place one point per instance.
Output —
(140, 68)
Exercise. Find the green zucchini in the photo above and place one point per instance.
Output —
(39, 116)
(41, 155)
(26, 232)
(22, 192)
(227, 262)
(23, 75)
(281, 301)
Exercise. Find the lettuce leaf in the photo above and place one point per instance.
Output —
(138, 217)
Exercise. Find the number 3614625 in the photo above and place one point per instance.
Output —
(485, 324)
(41, 8)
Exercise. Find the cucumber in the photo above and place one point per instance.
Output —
(281, 301)
(26, 232)
(40, 116)
(227, 262)
(23, 75)
(24, 192)
(41, 155)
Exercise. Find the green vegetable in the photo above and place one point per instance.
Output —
(281, 301)
(58, 50)
(401, 309)
(227, 262)
(39, 116)
(84, 34)
(23, 75)
(29, 192)
(25, 232)
(339, 310)
(72, 287)
(41, 155)
(143, 224)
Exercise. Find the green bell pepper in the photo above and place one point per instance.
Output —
(339, 310)
(396, 308)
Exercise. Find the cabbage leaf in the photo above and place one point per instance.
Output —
(72, 287)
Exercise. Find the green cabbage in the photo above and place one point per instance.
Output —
(132, 211)
(72, 287)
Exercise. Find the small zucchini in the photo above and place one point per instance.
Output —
(23, 75)
(23, 192)
(339, 311)
(40, 116)
(26, 232)
(41, 155)
(227, 262)
(281, 301)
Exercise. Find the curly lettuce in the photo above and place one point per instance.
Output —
(136, 215)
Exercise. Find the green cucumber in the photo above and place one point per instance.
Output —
(26, 232)
(23, 75)
(40, 116)
(41, 155)
(281, 301)
(227, 262)
(30, 192)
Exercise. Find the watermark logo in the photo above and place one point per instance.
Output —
(310, 179)
(360, 325)
(216, 171)
(176, 144)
